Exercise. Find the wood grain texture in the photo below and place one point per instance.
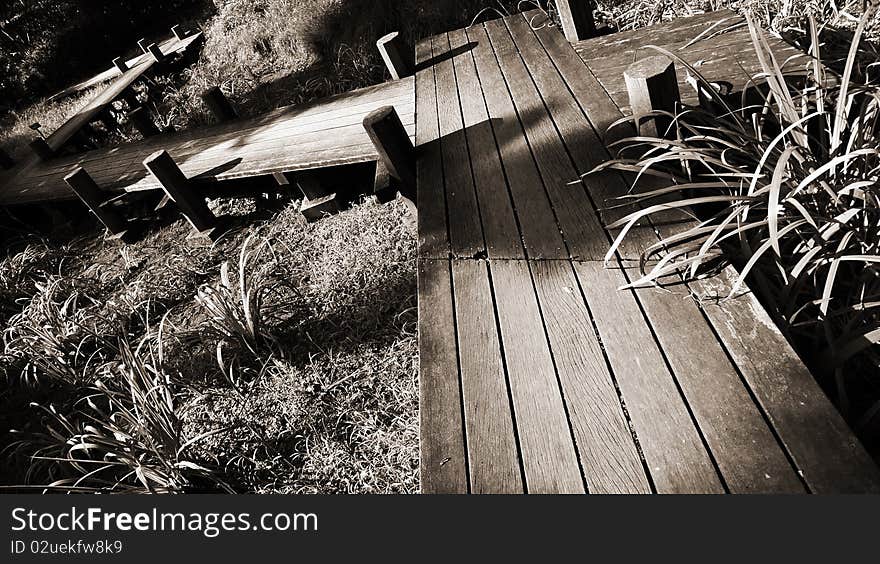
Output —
(582, 142)
(748, 455)
(324, 133)
(431, 196)
(465, 228)
(442, 447)
(540, 233)
(496, 210)
(580, 225)
(546, 445)
(491, 441)
(744, 327)
(604, 440)
(823, 447)
(676, 457)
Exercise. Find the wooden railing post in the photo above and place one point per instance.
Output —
(42, 149)
(577, 19)
(175, 184)
(385, 186)
(317, 202)
(178, 33)
(142, 43)
(6, 161)
(156, 52)
(653, 86)
(398, 56)
(93, 197)
(141, 120)
(219, 104)
(394, 147)
(120, 63)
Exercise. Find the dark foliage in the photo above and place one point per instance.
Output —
(86, 33)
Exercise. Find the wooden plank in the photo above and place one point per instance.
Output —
(540, 233)
(431, 196)
(805, 421)
(582, 142)
(548, 453)
(676, 30)
(295, 135)
(168, 46)
(499, 222)
(748, 455)
(602, 434)
(580, 225)
(823, 447)
(465, 229)
(676, 457)
(442, 447)
(491, 441)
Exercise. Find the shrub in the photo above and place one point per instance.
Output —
(123, 435)
(793, 177)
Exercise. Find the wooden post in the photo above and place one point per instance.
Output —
(156, 52)
(120, 63)
(385, 186)
(140, 119)
(42, 149)
(393, 144)
(310, 186)
(94, 199)
(191, 204)
(652, 86)
(6, 161)
(397, 55)
(219, 104)
(317, 202)
(577, 19)
(178, 33)
(142, 43)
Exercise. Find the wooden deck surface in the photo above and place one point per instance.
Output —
(324, 133)
(537, 374)
(720, 57)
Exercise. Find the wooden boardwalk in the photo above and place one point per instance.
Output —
(324, 133)
(537, 374)
(99, 103)
(168, 46)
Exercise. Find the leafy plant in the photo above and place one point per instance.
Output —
(49, 337)
(791, 168)
(242, 311)
(124, 435)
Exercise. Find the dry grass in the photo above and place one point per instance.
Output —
(15, 127)
(324, 387)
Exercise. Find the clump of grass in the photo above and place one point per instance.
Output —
(792, 168)
(16, 130)
(123, 435)
(242, 312)
(50, 338)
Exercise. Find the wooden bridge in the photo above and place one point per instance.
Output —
(537, 374)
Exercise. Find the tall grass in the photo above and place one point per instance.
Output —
(242, 311)
(123, 435)
(791, 168)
